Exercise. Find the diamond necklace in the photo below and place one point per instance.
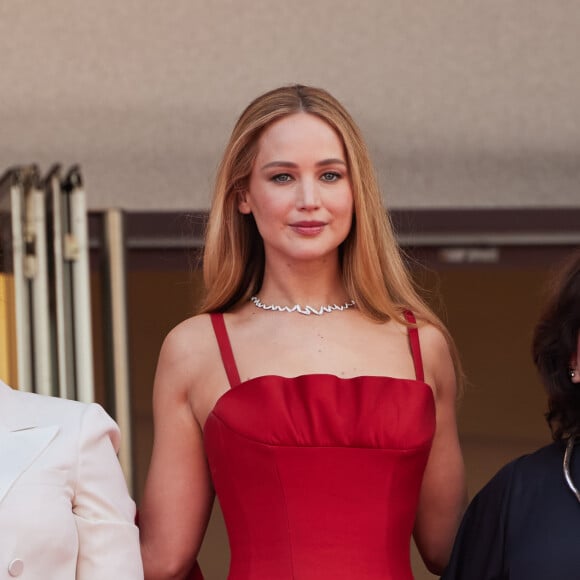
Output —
(307, 310)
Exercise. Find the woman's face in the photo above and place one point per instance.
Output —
(299, 190)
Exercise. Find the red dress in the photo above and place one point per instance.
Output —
(318, 476)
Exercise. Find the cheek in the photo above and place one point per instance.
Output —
(269, 217)
(270, 207)
(348, 223)
(344, 211)
(345, 207)
(351, 206)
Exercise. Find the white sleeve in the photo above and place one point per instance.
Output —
(103, 510)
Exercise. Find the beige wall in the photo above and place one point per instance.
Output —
(469, 104)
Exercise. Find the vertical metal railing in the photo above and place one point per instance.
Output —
(76, 255)
(36, 276)
(63, 318)
(46, 254)
(117, 335)
(45, 272)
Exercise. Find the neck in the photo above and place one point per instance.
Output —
(314, 284)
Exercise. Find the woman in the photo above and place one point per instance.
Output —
(65, 513)
(303, 392)
(523, 525)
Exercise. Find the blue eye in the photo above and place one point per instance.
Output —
(330, 176)
(281, 178)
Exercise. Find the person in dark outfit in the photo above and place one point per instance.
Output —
(525, 523)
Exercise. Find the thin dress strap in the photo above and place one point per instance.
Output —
(223, 340)
(415, 345)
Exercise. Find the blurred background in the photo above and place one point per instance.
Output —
(471, 114)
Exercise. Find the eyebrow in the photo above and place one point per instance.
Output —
(322, 163)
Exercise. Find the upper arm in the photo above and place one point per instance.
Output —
(443, 492)
(103, 510)
(178, 493)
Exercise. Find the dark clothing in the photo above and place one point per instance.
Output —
(523, 525)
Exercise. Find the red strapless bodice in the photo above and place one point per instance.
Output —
(318, 477)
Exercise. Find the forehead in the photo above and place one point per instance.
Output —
(300, 134)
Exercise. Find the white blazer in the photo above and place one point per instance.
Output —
(65, 512)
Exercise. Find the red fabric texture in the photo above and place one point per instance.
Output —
(318, 476)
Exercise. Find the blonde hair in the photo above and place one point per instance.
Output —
(373, 271)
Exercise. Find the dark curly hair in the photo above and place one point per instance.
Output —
(555, 341)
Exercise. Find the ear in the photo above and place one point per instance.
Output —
(575, 363)
(243, 203)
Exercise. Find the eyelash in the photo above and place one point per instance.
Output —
(335, 176)
(277, 178)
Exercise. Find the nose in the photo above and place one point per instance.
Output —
(308, 196)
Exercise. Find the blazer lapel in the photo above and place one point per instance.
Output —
(18, 450)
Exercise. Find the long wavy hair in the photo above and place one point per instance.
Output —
(555, 341)
(373, 270)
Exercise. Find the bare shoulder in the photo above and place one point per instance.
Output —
(188, 338)
(186, 351)
(432, 339)
(437, 360)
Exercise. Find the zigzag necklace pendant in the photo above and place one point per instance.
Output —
(306, 310)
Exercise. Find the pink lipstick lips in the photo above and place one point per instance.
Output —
(308, 228)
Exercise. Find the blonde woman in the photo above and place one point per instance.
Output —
(315, 391)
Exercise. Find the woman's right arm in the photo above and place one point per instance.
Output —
(178, 493)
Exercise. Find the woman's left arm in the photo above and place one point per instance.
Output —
(443, 495)
(103, 510)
